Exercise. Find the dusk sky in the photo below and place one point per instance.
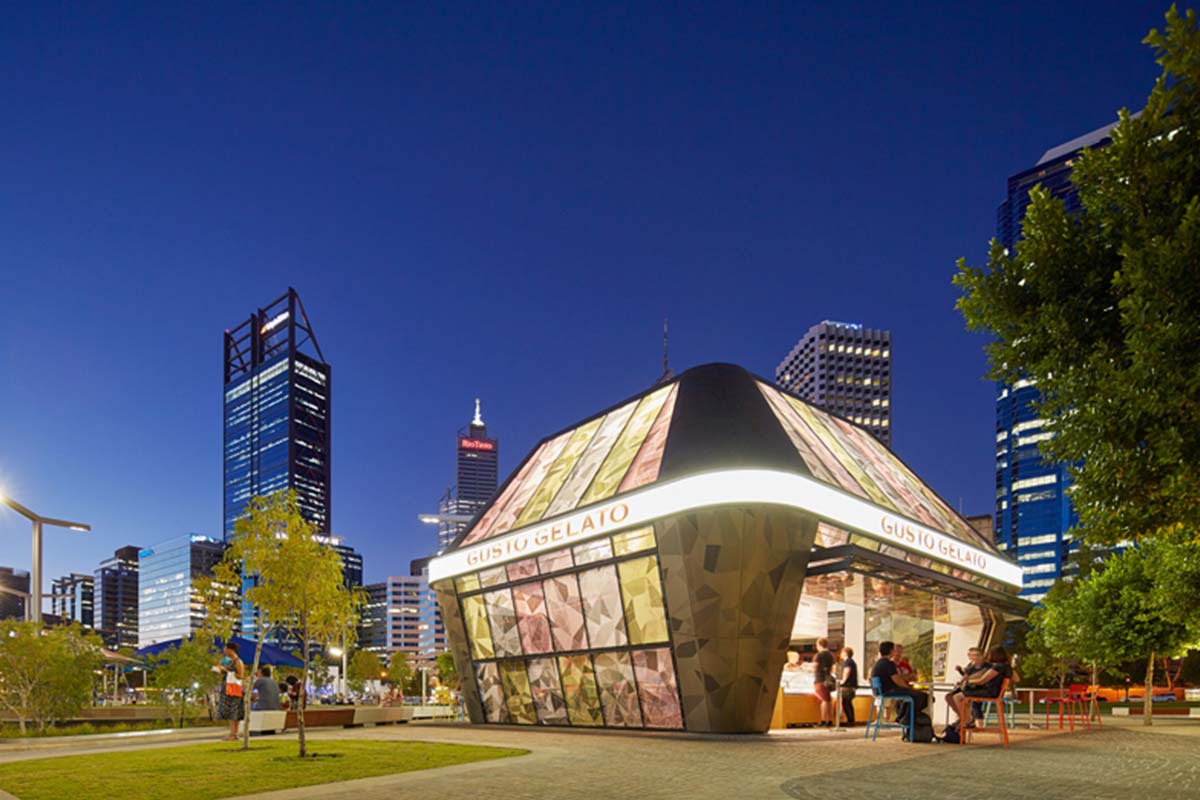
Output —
(500, 201)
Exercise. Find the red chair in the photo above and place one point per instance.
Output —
(1070, 705)
(964, 732)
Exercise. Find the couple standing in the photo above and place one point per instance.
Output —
(825, 683)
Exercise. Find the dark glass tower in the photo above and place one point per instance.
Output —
(115, 593)
(1033, 506)
(478, 461)
(277, 420)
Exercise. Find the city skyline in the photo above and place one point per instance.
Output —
(109, 410)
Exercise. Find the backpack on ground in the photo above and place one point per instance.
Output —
(950, 735)
(922, 728)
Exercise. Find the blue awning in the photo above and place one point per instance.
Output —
(270, 654)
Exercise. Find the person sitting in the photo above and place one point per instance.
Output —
(984, 682)
(893, 682)
(975, 663)
(264, 695)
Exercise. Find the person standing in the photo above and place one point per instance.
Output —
(849, 685)
(824, 682)
(229, 705)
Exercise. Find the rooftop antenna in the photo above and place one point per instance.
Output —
(478, 419)
(666, 373)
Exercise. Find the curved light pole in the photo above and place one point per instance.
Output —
(35, 572)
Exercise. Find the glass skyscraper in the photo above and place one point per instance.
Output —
(277, 420)
(170, 605)
(115, 591)
(1034, 513)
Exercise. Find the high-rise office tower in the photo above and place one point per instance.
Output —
(277, 413)
(115, 592)
(72, 599)
(352, 572)
(373, 619)
(845, 369)
(171, 605)
(1033, 507)
(13, 603)
(477, 462)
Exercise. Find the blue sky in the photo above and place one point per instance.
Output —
(495, 201)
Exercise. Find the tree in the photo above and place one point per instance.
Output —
(364, 666)
(1101, 309)
(46, 674)
(400, 672)
(300, 590)
(447, 672)
(185, 671)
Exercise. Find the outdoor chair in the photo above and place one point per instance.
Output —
(965, 732)
(877, 706)
(1010, 711)
(1070, 705)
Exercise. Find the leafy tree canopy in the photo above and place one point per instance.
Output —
(1101, 309)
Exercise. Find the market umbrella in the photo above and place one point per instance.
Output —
(272, 655)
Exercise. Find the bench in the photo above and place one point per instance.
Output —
(267, 722)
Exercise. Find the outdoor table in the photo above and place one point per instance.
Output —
(1031, 690)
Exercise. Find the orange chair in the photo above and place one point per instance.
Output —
(1070, 705)
(965, 714)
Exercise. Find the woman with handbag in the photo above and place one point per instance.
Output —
(230, 703)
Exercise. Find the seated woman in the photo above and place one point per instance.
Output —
(984, 683)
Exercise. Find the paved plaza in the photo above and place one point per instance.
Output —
(1121, 762)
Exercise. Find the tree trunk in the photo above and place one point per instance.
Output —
(1148, 699)
(303, 697)
(258, 646)
(1094, 703)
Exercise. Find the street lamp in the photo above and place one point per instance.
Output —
(35, 573)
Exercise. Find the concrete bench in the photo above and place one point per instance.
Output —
(380, 715)
(267, 722)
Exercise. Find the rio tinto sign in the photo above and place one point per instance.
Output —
(727, 487)
(476, 444)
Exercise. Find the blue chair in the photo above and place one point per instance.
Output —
(877, 711)
(1010, 711)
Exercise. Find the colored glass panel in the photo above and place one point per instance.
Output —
(548, 698)
(467, 583)
(817, 457)
(526, 568)
(483, 528)
(492, 577)
(532, 621)
(518, 695)
(503, 616)
(633, 541)
(553, 562)
(491, 693)
(475, 619)
(579, 690)
(616, 464)
(529, 485)
(565, 609)
(589, 463)
(642, 590)
(556, 476)
(602, 607)
(644, 469)
(596, 550)
(618, 694)
(655, 673)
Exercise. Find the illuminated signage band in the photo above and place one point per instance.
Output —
(736, 486)
(476, 444)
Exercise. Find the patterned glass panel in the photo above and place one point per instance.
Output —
(602, 607)
(616, 464)
(558, 472)
(467, 583)
(490, 692)
(492, 577)
(655, 674)
(642, 589)
(579, 689)
(634, 541)
(581, 476)
(525, 491)
(517, 693)
(503, 616)
(597, 550)
(566, 613)
(645, 466)
(618, 696)
(483, 528)
(547, 693)
(475, 618)
(532, 621)
(553, 562)
(526, 568)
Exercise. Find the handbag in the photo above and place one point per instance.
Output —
(233, 687)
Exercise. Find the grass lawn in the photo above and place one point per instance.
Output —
(211, 771)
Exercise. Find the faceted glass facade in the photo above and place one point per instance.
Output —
(575, 637)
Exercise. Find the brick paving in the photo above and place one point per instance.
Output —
(1122, 761)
